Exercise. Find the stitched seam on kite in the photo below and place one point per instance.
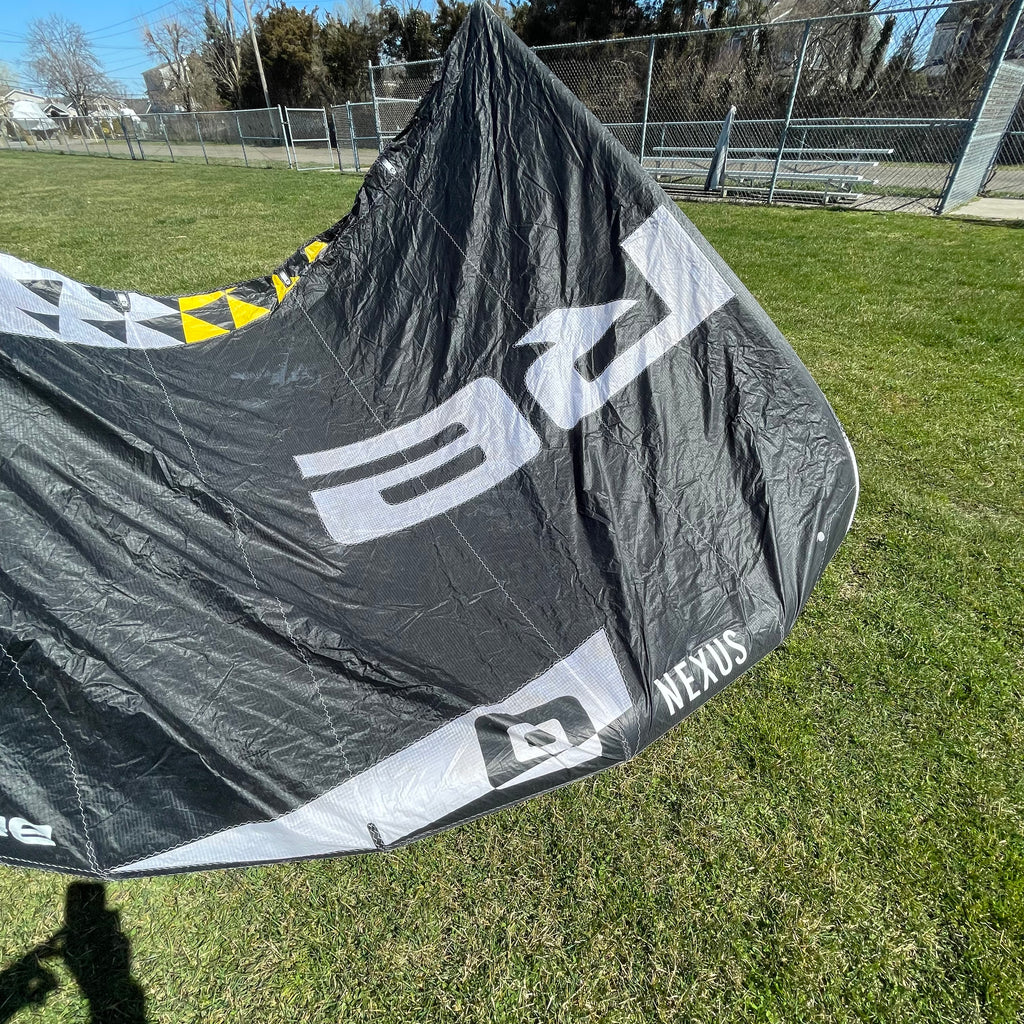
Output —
(476, 266)
(501, 587)
(357, 775)
(369, 408)
(239, 541)
(707, 543)
(75, 778)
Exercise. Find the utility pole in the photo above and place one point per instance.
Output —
(256, 50)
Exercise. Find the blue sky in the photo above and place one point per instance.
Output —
(112, 27)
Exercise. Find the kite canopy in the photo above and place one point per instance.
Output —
(488, 487)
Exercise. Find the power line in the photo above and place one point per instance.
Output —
(114, 35)
(130, 64)
(98, 32)
(134, 18)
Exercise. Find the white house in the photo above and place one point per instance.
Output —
(952, 35)
(31, 112)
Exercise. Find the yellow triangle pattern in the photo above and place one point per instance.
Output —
(281, 288)
(314, 249)
(188, 302)
(242, 312)
(245, 312)
(199, 330)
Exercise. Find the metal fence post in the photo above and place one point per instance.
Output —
(376, 111)
(337, 141)
(647, 100)
(199, 132)
(289, 143)
(238, 128)
(128, 142)
(84, 134)
(789, 111)
(163, 128)
(352, 135)
(327, 139)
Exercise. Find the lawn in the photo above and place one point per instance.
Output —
(839, 837)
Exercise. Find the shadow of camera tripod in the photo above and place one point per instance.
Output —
(95, 951)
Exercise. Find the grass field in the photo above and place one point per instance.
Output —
(839, 837)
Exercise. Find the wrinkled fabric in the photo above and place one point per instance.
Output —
(489, 486)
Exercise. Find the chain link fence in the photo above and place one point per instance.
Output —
(393, 115)
(868, 110)
(908, 108)
(310, 137)
(252, 138)
(1006, 177)
(363, 130)
(358, 135)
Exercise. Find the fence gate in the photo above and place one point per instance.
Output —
(1006, 178)
(355, 128)
(992, 122)
(345, 137)
(134, 136)
(310, 138)
(262, 135)
(393, 116)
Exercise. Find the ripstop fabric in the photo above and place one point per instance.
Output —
(489, 486)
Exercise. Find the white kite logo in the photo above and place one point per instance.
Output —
(478, 437)
(25, 832)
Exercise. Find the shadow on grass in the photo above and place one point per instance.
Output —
(990, 222)
(95, 951)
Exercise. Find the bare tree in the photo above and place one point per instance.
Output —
(171, 42)
(62, 59)
(360, 11)
(222, 51)
(7, 82)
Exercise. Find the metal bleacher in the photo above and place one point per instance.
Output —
(809, 175)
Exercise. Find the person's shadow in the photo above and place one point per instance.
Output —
(96, 953)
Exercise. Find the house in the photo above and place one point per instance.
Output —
(30, 117)
(137, 105)
(952, 36)
(49, 106)
(162, 90)
(830, 46)
(30, 112)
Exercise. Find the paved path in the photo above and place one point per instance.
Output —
(992, 209)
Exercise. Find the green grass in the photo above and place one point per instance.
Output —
(159, 227)
(839, 837)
